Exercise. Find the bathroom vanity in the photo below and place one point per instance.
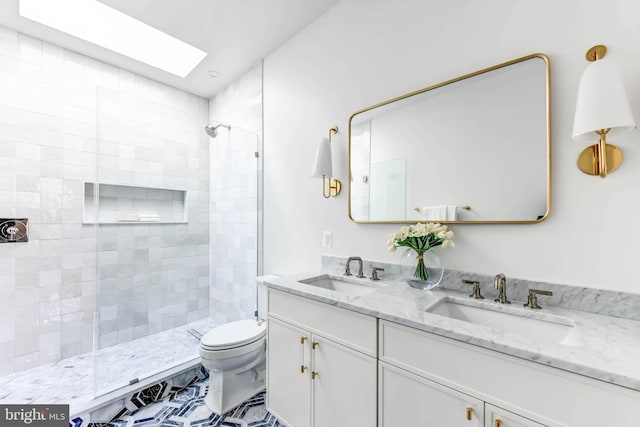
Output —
(382, 353)
(321, 363)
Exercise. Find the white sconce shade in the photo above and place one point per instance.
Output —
(322, 166)
(602, 102)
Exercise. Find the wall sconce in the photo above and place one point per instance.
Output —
(602, 107)
(322, 167)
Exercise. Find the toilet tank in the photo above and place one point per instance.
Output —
(262, 295)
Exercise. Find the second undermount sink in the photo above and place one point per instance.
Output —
(340, 284)
(523, 322)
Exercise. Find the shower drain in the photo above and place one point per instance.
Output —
(195, 333)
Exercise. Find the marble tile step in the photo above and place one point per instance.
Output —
(90, 380)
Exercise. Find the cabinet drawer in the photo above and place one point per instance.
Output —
(547, 395)
(494, 416)
(354, 330)
(406, 399)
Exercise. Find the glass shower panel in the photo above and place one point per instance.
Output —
(151, 204)
(234, 224)
(46, 281)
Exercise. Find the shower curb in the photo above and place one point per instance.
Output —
(118, 403)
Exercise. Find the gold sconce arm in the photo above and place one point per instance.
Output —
(331, 187)
(601, 158)
(332, 131)
(602, 152)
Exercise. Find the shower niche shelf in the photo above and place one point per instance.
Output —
(123, 204)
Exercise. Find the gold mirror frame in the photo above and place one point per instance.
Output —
(454, 80)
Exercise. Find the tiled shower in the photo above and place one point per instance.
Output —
(81, 142)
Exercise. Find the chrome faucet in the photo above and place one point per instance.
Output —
(500, 284)
(374, 273)
(347, 271)
(476, 288)
(532, 299)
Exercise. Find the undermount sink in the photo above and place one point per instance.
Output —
(340, 284)
(516, 320)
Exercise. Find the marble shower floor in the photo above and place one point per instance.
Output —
(72, 381)
(187, 409)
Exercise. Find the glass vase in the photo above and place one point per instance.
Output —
(422, 273)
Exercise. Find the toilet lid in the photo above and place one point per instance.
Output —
(233, 334)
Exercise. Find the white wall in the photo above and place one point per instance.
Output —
(366, 51)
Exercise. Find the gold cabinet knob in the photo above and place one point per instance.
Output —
(498, 423)
(302, 340)
(314, 375)
(302, 369)
(315, 345)
(469, 413)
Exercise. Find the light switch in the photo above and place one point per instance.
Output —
(327, 239)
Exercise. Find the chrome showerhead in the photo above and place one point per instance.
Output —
(212, 130)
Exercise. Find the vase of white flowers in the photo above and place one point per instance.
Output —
(419, 239)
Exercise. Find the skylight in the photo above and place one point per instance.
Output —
(104, 26)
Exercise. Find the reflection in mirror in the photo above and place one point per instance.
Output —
(473, 149)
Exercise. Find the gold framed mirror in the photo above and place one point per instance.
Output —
(473, 149)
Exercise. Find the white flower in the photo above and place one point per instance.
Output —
(448, 243)
(430, 231)
(421, 230)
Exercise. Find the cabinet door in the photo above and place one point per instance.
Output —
(498, 417)
(407, 399)
(344, 385)
(288, 373)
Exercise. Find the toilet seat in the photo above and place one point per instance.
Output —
(233, 335)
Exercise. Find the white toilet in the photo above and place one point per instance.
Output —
(235, 356)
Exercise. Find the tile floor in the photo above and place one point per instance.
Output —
(71, 381)
(187, 409)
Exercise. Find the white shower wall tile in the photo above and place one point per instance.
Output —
(58, 110)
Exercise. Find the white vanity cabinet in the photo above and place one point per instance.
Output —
(515, 392)
(321, 364)
(288, 373)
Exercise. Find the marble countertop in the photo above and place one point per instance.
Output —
(607, 348)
